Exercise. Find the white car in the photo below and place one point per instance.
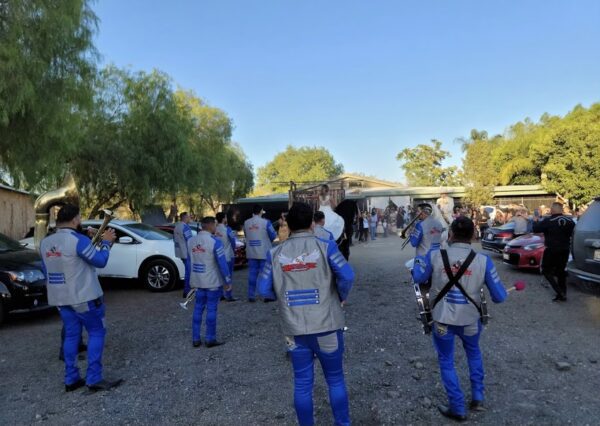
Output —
(141, 251)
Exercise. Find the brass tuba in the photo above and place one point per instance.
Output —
(66, 194)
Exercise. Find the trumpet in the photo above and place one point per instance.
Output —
(108, 216)
(405, 230)
(188, 299)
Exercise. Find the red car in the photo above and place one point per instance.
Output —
(525, 252)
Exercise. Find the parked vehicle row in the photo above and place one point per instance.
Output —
(526, 251)
(141, 252)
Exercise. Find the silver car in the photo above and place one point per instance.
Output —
(585, 265)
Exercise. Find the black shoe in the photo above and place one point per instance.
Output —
(74, 386)
(223, 298)
(445, 411)
(268, 299)
(197, 343)
(251, 300)
(231, 299)
(559, 298)
(476, 406)
(104, 385)
(213, 344)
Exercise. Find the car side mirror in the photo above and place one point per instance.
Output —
(125, 240)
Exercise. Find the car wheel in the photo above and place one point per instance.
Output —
(159, 275)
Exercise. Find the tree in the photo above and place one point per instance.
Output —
(569, 154)
(46, 67)
(479, 174)
(221, 171)
(422, 166)
(136, 142)
(303, 164)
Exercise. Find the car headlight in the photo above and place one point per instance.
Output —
(531, 247)
(27, 276)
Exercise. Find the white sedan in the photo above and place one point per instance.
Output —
(142, 252)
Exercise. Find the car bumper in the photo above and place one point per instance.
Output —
(583, 275)
(527, 260)
(32, 299)
(494, 246)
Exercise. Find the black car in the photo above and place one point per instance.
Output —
(22, 282)
(495, 239)
(585, 265)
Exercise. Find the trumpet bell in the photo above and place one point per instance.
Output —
(183, 305)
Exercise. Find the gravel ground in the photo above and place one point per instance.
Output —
(391, 368)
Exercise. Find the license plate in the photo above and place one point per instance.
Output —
(597, 255)
(506, 256)
(490, 236)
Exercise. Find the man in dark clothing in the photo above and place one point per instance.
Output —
(557, 230)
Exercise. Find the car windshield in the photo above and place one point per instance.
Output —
(8, 244)
(148, 232)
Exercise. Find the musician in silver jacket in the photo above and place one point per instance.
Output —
(311, 280)
(319, 228)
(181, 234)
(69, 261)
(210, 275)
(427, 232)
(458, 274)
(228, 239)
(259, 234)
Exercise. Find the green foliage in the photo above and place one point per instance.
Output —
(422, 166)
(569, 153)
(220, 171)
(480, 175)
(46, 66)
(303, 164)
(565, 151)
(136, 142)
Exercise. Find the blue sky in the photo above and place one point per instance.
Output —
(365, 78)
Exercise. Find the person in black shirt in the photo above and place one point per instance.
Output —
(557, 230)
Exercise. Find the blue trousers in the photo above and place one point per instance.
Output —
(329, 349)
(209, 299)
(255, 266)
(92, 318)
(229, 293)
(373, 230)
(443, 341)
(188, 272)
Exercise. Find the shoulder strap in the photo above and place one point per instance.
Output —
(453, 279)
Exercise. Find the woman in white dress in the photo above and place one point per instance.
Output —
(334, 223)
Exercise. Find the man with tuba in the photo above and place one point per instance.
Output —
(70, 260)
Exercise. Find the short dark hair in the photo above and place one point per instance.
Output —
(319, 216)
(183, 215)
(67, 213)
(425, 207)
(207, 219)
(462, 229)
(220, 217)
(300, 216)
(256, 209)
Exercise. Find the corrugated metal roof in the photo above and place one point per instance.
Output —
(10, 188)
(414, 192)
